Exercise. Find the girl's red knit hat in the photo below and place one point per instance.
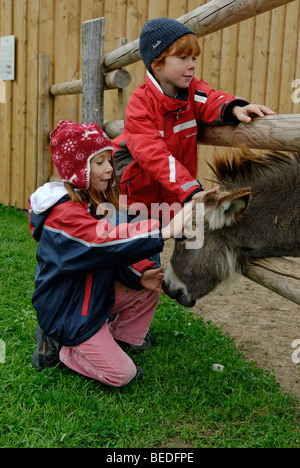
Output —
(73, 146)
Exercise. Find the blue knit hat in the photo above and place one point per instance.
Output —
(157, 35)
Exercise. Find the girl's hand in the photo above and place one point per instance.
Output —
(176, 226)
(244, 114)
(153, 279)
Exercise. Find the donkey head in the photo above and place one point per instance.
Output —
(192, 274)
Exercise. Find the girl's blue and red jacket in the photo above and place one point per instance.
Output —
(79, 258)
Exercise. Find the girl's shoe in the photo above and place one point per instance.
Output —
(147, 343)
(47, 351)
(139, 373)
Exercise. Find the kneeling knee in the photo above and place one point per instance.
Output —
(128, 375)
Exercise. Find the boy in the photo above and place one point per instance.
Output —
(163, 117)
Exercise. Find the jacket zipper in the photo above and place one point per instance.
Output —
(178, 113)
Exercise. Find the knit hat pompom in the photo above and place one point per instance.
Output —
(60, 126)
(157, 35)
(73, 146)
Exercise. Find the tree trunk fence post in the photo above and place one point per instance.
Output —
(279, 132)
(92, 74)
(43, 121)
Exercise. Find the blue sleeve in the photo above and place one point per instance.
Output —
(76, 242)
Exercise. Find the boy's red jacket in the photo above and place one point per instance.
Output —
(161, 134)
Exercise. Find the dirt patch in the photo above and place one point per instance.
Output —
(263, 324)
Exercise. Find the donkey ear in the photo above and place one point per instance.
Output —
(224, 208)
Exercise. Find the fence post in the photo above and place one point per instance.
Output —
(92, 71)
(43, 118)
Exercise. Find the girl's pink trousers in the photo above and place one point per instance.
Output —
(100, 357)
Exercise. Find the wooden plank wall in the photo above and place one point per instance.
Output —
(257, 59)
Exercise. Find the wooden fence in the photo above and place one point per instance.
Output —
(258, 59)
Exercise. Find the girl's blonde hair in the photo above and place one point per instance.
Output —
(185, 45)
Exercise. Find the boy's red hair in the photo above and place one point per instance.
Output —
(185, 45)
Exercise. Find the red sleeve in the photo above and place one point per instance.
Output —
(213, 107)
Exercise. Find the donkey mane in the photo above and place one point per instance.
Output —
(245, 167)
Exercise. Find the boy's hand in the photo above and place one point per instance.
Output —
(153, 279)
(245, 114)
(202, 194)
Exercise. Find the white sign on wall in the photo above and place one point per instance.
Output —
(7, 58)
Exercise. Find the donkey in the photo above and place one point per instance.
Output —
(255, 214)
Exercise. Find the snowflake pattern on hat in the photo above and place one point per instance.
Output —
(69, 146)
(73, 146)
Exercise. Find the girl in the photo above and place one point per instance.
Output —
(164, 115)
(88, 267)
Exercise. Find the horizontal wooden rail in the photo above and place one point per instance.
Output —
(219, 14)
(117, 79)
(276, 132)
(67, 88)
(114, 128)
(280, 275)
(206, 19)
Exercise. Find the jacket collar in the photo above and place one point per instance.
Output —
(167, 103)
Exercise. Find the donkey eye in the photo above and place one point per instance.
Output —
(181, 239)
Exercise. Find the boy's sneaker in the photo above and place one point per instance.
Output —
(47, 351)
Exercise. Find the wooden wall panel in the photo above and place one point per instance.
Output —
(296, 105)
(67, 19)
(6, 26)
(136, 18)
(115, 28)
(257, 59)
(289, 58)
(260, 58)
(31, 108)
(19, 107)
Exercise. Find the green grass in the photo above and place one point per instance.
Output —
(180, 397)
